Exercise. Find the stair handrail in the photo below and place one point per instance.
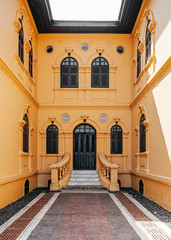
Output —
(108, 173)
(60, 172)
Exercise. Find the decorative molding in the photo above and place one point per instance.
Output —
(137, 35)
(76, 106)
(84, 116)
(17, 26)
(17, 177)
(136, 129)
(153, 177)
(52, 119)
(134, 62)
(69, 50)
(152, 26)
(24, 70)
(100, 50)
(153, 82)
(27, 47)
(141, 48)
(15, 80)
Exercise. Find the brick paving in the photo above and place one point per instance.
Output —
(149, 227)
(84, 218)
(17, 227)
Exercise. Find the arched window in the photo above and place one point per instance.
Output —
(138, 60)
(26, 134)
(69, 73)
(26, 187)
(100, 73)
(142, 134)
(148, 42)
(21, 42)
(31, 60)
(52, 139)
(116, 139)
(141, 187)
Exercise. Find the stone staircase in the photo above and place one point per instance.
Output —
(84, 179)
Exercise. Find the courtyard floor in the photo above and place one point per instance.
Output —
(80, 214)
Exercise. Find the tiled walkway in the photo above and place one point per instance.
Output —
(84, 215)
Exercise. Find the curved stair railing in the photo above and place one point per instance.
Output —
(60, 172)
(108, 173)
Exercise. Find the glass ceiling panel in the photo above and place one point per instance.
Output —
(89, 10)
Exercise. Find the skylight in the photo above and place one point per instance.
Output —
(89, 10)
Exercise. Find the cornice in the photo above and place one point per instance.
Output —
(94, 107)
(7, 71)
(17, 177)
(153, 82)
(153, 177)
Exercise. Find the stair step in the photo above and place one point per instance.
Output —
(87, 179)
(85, 175)
(81, 183)
(84, 178)
(85, 171)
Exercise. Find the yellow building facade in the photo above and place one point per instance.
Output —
(35, 90)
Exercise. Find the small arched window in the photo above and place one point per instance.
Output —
(31, 60)
(52, 139)
(100, 73)
(116, 139)
(26, 134)
(142, 134)
(141, 187)
(69, 73)
(138, 60)
(26, 187)
(21, 41)
(148, 42)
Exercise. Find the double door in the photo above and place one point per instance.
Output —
(84, 148)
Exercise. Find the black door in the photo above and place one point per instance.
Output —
(84, 147)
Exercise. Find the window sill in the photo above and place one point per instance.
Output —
(142, 154)
(25, 154)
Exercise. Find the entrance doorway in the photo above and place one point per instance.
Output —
(84, 147)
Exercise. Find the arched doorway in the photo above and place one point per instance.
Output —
(84, 156)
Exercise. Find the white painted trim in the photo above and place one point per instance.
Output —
(154, 219)
(129, 217)
(32, 225)
(23, 210)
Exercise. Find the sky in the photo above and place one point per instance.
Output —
(87, 10)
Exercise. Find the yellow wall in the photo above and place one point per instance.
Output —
(17, 97)
(113, 101)
(151, 97)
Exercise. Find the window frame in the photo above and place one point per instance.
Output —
(51, 141)
(69, 74)
(99, 74)
(26, 134)
(31, 60)
(142, 134)
(116, 144)
(138, 60)
(21, 42)
(147, 43)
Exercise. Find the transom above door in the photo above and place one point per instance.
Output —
(84, 148)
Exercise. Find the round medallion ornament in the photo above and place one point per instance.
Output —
(65, 117)
(103, 117)
(120, 49)
(49, 49)
(84, 46)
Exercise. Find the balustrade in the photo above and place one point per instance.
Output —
(60, 172)
(108, 173)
